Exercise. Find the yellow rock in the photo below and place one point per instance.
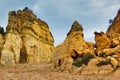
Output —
(73, 46)
(11, 50)
(27, 39)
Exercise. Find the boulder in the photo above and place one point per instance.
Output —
(106, 69)
(113, 61)
(102, 41)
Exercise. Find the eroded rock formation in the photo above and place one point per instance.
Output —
(27, 39)
(73, 47)
(114, 29)
(102, 41)
(77, 55)
(109, 42)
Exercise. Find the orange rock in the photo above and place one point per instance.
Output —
(114, 29)
(102, 41)
(74, 45)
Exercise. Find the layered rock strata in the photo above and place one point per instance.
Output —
(109, 42)
(27, 39)
(77, 55)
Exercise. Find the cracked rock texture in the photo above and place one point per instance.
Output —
(27, 39)
(74, 46)
(79, 56)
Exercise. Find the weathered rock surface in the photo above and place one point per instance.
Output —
(101, 58)
(102, 41)
(27, 39)
(111, 38)
(1, 40)
(96, 66)
(114, 29)
(73, 47)
(113, 33)
(11, 49)
(109, 43)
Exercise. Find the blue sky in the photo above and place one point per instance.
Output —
(93, 15)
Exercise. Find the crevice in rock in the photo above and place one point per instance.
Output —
(23, 55)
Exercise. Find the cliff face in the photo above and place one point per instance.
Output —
(77, 55)
(111, 38)
(27, 39)
(109, 42)
(114, 29)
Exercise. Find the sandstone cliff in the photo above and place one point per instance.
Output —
(27, 39)
(109, 42)
(114, 29)
(79, 56)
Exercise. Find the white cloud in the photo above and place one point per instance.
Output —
(97, 3)
(36, 7)
(39, 5)
(104, 6)
(94, 13)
